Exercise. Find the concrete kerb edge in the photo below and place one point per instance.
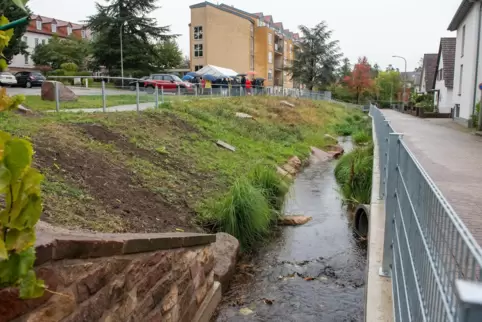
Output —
(377, 307)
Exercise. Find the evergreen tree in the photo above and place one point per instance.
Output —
(128, 18)
(345, 69)
(317, 59)
(16, 45)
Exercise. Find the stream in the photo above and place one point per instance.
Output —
(314, 272)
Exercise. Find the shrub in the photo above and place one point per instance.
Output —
(69, 67)
(272, 185)
(243, 213)
(354, 175)
(344, 129)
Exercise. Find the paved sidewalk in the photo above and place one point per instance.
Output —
(452, 157)
(120, 108)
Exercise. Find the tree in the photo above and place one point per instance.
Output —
(127, 19)
(317, 57)
(388, 84)
(16, 44)
(168, 55)
(345, 69)
(186, 63)
(360, 81)
(420, 65)
(58, 51)
(375, 70)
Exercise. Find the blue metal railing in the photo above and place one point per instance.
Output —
(434, 261)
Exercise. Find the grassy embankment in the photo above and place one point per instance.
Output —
(354, 170)
(159, 171)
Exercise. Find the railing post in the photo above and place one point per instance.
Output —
(57, 97)
(179, 90)
(104, 103)
(390, 202)
(137, 96)
(385, 128)
(162, 94)
(469, 305)
(157, 98)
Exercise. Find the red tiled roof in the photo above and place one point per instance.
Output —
(47, 26)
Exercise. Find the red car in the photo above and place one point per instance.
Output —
(170, 83)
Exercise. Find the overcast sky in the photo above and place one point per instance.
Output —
(377, 29)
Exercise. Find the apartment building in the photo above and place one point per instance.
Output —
(225, 36)
(39, 31)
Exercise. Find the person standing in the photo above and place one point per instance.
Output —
(243, 85)
(248, 86)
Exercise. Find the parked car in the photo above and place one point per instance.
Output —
(29, 79)
(132, 84)
(7, 79)
(168, 82)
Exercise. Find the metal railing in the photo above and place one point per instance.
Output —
(133, 92)
(434, 261)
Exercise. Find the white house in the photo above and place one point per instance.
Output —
(468, 65)
(39, 31)
(444, 75)
(428, 72)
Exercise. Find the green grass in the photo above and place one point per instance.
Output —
(361, 137)
(172, 152)
(354, 175)
(86, 101)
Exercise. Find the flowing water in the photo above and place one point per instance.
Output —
(314, 272)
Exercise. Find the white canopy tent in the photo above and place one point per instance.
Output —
(217, 71)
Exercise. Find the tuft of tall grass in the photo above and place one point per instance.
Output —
(273, 186)
(244, 212)
(361, 137)
(354, 175)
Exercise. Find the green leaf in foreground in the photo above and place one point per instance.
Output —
(20, 3)
(31, 287)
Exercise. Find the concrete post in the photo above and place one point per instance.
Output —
(178, 90)
(162, 95)
(57, 97)
(157, 98)
(390, 202)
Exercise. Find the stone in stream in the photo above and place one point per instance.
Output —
(294, 220)
(225, 251)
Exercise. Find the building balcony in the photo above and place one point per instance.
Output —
(278, 65)
(278, 49)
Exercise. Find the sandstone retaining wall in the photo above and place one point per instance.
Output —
(128, 277)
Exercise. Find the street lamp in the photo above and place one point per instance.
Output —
(405, 78)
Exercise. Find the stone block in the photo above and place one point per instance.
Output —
(190, 311)
(209, 305)
(56, 309)
(92, 309)
(197, 274)
(201, 293)
(183, 282)
(171, 299)
(225, 251)
(140, 267)
(43, 253)
(210, 279)
(86, 248)
(153, 276)
(186, 297)
(65, 93)
(172, 315)
(161, 289)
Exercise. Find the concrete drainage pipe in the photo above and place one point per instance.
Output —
(361, 220)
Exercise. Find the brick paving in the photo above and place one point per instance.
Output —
(452, 156)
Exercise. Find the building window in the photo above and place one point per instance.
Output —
(43, 41)
(198, 50)
(36, 42)
(198, 67)
(270, 74)
(83, 33)
(39, 25)
(461, 78)
(270, 57)
(270, 39)
(26, 59)
(463, 41)
(54, 28)
(69, 30)
(198, 33)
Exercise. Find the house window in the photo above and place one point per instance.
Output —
(43, 41)
(270, 39)
(461, 78)
(39, 25)
(69, 30)
(198, 33)
(270, 74)
(26, 59)
(84, 35)
(463, 41)
(198, 67)
(36, 42)
(198, 50)
(54, 28)
(270, 57)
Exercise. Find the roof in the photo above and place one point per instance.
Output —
(47, 23)
(447, 52)
(429, 67)
(461, 13)
(216, 71)
(224, 8)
